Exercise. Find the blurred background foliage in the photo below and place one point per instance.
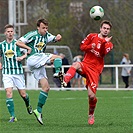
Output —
(71, 19)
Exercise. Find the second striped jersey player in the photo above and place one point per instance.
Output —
(12, 71)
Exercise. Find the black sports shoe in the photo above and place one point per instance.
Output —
(29, 109)
(61, 78)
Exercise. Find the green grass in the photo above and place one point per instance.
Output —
(67, 111)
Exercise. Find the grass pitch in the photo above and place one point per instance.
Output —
(67, 112)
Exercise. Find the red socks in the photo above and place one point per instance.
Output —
(70, 74)
(92, 105)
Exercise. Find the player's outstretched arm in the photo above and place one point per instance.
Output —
(86, 44)
(22, 45)
(21, 57)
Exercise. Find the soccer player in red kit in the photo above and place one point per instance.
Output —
(95, 46)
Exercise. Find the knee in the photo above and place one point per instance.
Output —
(44, 84)
(76, 65)
(9, 93)
(91, 96)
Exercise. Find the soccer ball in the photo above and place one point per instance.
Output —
(96, 12)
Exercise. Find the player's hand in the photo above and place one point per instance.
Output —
(29, 51)
(108, 39)
(58, 37)
(19, 58)
(93, 45)
(0, 66)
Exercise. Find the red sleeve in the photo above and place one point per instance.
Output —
(86, 43)
(106, 47)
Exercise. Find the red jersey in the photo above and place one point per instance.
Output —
(94, 57)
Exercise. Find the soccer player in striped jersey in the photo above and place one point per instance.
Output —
(35, 42)
(95, 46)
(12, 71)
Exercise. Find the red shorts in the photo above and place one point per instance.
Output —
(92, 77)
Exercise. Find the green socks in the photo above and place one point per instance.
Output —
(10, 106)
(57, 64)
(41, 101)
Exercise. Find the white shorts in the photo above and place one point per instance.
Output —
(14, 80)
(36, 64)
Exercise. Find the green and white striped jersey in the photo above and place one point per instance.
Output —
(36, 41)
(9, 52)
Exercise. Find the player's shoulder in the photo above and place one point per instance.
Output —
(31, 33)
(92, 34)
(48, 34)
(3, 42)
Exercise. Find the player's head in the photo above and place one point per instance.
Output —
(9, 31)
(106, 22)
(105, 28)
(8, 26)
(42, 26)
(44, 21)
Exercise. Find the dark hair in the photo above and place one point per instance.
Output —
(8, 26)
(44, 21)
(106, 22)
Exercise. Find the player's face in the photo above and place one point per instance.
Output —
(9, 32)
(42, 29)
(105, 30)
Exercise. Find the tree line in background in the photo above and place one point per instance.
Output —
(71, 19)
